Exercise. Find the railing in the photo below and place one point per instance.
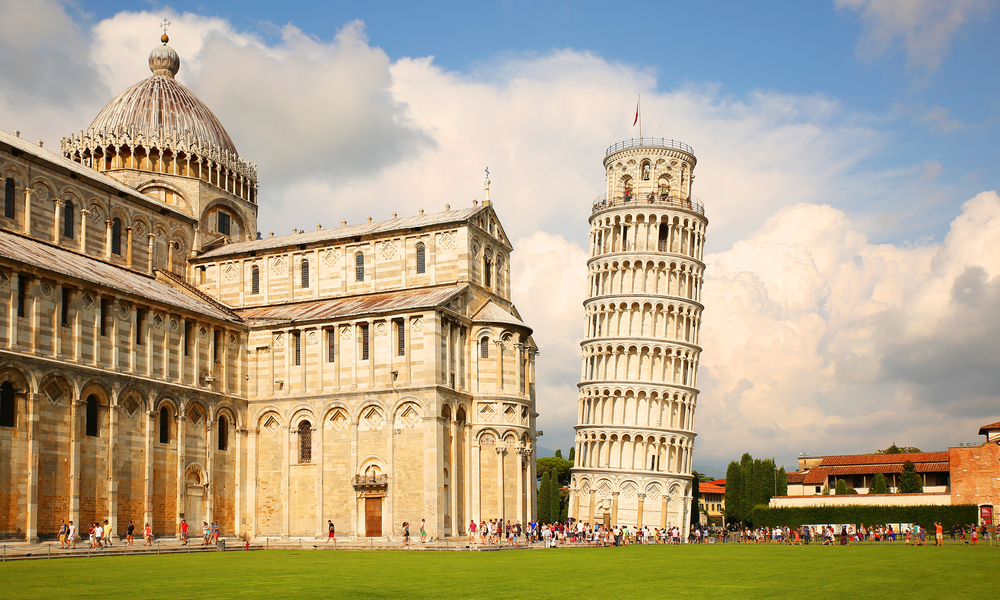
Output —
(692, 203)
(652, 143)
(370, 481)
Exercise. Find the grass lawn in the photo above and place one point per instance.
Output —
(710, 571)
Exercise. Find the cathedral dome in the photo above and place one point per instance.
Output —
(161, 105)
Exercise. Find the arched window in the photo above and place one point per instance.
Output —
(484, 348)
(92, 425)
(116, 236)
(421, 259)
(359, 266)
(68, 219)
(164, 425)
(8, 403)
(305, 273)
(8, 198)
(305, 442)
(646, 169)
(255, 279)
(223, 433)
(487, 270)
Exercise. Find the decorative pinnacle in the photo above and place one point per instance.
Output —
(164, 24)
(487, 198)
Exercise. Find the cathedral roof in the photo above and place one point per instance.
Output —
(352, 306)
(340, 233)
(493, 313)
(161, 105)
(83, 268)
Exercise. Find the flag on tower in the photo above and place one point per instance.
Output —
(636, 112)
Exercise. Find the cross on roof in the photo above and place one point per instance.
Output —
(164, 24)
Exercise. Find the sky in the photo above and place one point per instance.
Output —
(846, 159)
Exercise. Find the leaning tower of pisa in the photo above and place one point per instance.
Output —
(635, 426)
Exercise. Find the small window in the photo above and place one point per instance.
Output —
(223, 433)
(297, 340)
(116, 236)
(140, 315)
(187, 338)
(164, 425)
(92, 408)
(255, 280)
(487, 271)
(105, 311)
(484, 348)
(359, 266)
(217, 346)
(305, 273)
(68, 219)
(223, 223)
(67, 294)
(8, 198)
(401, 338)
(331, 348)
(305, 442)
(22, 283)
(364, 342)
(421, 259)
(8, 403)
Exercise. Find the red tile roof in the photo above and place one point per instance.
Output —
(796, 477)
(708, 488)
(879, 459)
(987, 428)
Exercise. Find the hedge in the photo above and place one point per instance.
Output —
(925, 515)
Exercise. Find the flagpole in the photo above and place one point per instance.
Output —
(638, 105)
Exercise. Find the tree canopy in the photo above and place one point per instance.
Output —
(751, 482)
(894, 449)
(554, 465)
(909, 481)
(880, 485)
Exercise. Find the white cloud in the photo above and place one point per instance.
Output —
(814, 337)
(923, 28)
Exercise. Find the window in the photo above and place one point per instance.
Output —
(664, 235)
(331, 348)
(217, 345)
(105, 310)
(223, 223)
(305, 273)
(487, 271)
(164, 425)
(305, 442)
(421, 259)
(484, 348)
(255, 280)
(187, 337)
(92, 405)
(645, 170)
(400, 338)
(8, 403)
(22, 282)
(116, 236)
(8, 198)
(67, 219)
(140, 315)
(359, 266)
(66, 295)
(364, 342)
(223, 433)
(297, 340)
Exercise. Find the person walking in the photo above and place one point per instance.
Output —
(206, 533)
(63, 532)
(107, 533)
(147, 535)
(130, 533)
(406, 534)
(98, 534)
(72, 535)
(330, 530)
(938, 534)
(184, 532)
(423, 531)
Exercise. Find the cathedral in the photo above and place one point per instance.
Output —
(162, 361)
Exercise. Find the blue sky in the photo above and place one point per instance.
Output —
(847, 161)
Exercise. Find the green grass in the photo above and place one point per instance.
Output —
(711, 571)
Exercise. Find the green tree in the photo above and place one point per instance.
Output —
(749, 487)
(555, 502)
(556, 467)
(572, 456)
(558, 453)
(544, 499)
(782, 482)
(695, 498)
(841, 487)
(880, 485)
(894, 449)
(909, 481)
(734, 489)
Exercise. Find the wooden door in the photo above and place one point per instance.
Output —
(373, 517)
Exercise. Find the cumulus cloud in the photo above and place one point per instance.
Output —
(816, 339)
(924, 29)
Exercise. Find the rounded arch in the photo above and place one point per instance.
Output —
(194, 475)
